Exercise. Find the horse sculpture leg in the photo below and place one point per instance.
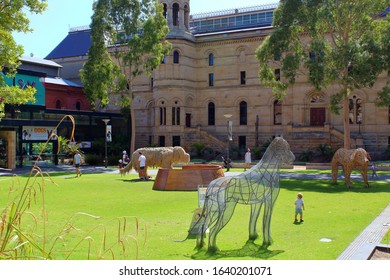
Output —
(268, 206)
(363, 171)
(255, 212)
(223, 218)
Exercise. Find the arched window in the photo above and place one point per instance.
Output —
(165, 11)
(277, 112)
(186, 16)
(277, 74)
(211, 59)
(176, 57)
(243, 113)
(211, 79)
(175, 14)
(58, 104)
(176, 114)
(211, 114)
(78, 105)
(163, 114)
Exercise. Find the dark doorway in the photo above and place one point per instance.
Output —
(161, 141)
(317, 116)
(188, 120)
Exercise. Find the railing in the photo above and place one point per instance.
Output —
(79, 28)
(235, 11)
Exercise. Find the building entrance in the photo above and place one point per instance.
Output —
(317, 116)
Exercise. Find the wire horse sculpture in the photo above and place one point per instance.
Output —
(257, 186)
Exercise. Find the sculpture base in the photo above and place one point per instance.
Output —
(188, 178)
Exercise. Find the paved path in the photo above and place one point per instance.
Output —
(101, 169)
(372, 235)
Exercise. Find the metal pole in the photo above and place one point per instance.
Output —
(228, 116)
(228, 148)
(105, 142)
(105, 153)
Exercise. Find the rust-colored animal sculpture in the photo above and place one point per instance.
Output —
(351, 159)
(157, 157)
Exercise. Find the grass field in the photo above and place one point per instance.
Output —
(109, 206)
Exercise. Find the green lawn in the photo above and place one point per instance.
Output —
(332, 212)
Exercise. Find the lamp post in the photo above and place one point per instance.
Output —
(359, 121)
(229, 138)
(105, 141)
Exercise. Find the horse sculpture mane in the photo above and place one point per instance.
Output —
(257, 186)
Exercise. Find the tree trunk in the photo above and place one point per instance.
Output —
(347, 132)
(132, 127)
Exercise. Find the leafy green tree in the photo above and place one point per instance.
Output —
(340, 43)
(128, 40)
(14, 19)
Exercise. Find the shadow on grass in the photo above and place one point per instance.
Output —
(250, 249)
(327, 186)
(133, 180)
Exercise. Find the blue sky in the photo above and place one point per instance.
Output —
(53, 25)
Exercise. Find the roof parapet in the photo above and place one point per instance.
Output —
(235, 11)
(79, 28)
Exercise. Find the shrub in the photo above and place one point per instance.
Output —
(113, 160)
(257, 152)
(92, 159)
(198, 147)
(306, 155)
(326, 151)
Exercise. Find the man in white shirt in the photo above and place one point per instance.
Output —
(142, 167)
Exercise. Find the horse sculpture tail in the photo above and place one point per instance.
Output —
(126, 169)
(198, 227)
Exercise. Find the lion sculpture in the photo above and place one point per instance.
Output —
(163, 157)
(350, 159)
(256, 187)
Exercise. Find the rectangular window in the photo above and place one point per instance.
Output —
(175, 115)
(269, 16)
(178, 115)
(224, 22)
(163, 116)
(261, 17)
(277, 74)
(242, 77)
(161, 141)
(217, 23)
(242, 143)
(239, 20)
(188, 120)
(254, 18)
(232, 21)
(211, 79)
(246, 19)
(176, 141)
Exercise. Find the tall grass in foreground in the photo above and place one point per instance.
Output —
(24, 233)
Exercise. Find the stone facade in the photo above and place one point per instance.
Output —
(211, 74)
